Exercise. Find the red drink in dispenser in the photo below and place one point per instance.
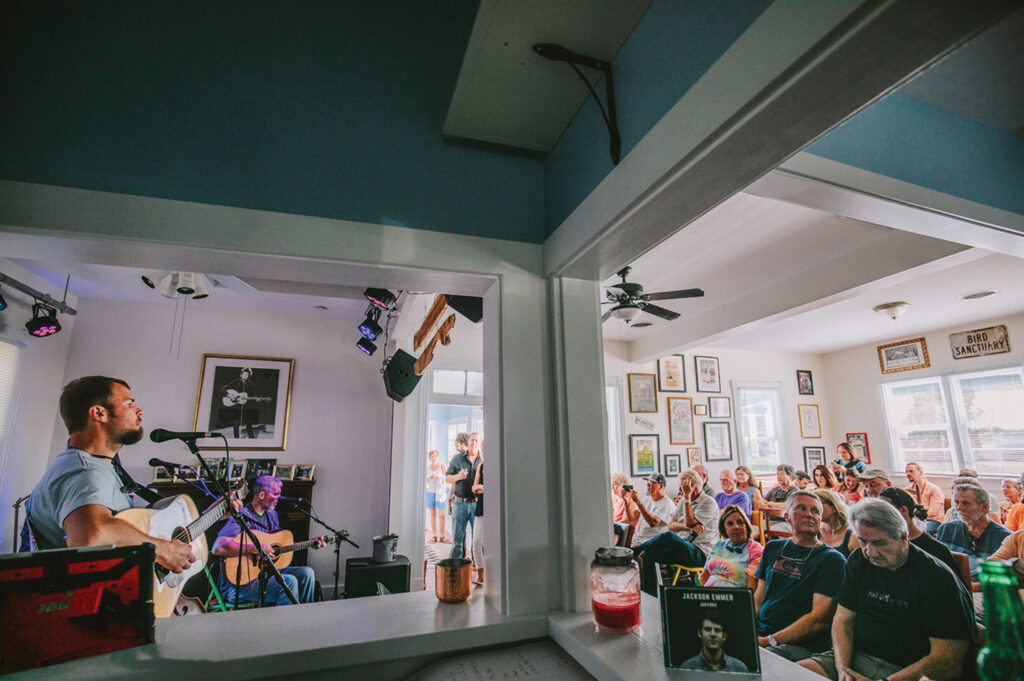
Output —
(615, 589)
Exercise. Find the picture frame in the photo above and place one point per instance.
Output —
(720, 407)
(814, 456)
(804, 382)
(217, 466)
(187, 475)
(161, 474)
(692, 456)
(672, 465)
(810, 421)
(247, 399)
(304, 472)
(859, 442)
(284, 471)
(683, 610)
(644, 454)
(680, 420)
(237, 471)
(254, 468)
(903, 356)
(717, 441)
(643, 394)
(671, 374)
(700, 410)
(709, 378)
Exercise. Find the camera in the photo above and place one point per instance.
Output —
(627, 488)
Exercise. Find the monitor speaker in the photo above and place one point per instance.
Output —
(363, 575)
(470, 307)
(400, 377)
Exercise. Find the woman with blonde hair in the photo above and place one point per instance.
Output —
(436, 495)
(835, 525)
(747, 483)
(733, 561)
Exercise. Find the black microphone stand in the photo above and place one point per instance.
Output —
(339, 536)
(265, 562)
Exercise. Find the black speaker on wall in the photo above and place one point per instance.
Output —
(399, 377)
(362, 576)
(470, 307)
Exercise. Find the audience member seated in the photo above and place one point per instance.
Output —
(851, 490)
(835, 530)
(848, 463)
(733, 561)
(703, 473)
(874, 481)
(1013, 547)
(951, 514)
(825, 479)
(619, 503)
(1012, 510)
(911, 511)
(797, 583)
(801, 479)
(650, 514)
(730, 494)
(901, 613)
(747, 483)
(927, 494)
(692, 531)
(974, 533)
(776, 497)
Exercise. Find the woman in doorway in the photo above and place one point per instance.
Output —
(851, 490)
(847, 464)
(825, 479)
(747, 483)
(835, 527)
(436, 495)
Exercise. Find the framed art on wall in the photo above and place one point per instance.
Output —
(673, 463)
(671, 377)
(246, 399)
(717, 441)
(813, 456)
(643, 396)
(720, 407)
(692, 456)
(680, 420)
(859, 442)
(903, 356)
(708, 378)
(810, 421)
(284, 471)
(644, 453)
(700, 410)
(804, 382)
(304, 471)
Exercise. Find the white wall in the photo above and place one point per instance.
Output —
(340, 415)
(36, 418)
(734, 365)
(855, 377)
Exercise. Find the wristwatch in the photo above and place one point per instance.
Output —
(772, 640)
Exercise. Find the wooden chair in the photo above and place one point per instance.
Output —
(964, 565)
(758, 521)
(779, 514)
(693, 574)
(626, 539)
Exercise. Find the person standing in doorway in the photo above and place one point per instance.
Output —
(437, 493)
(461, 473)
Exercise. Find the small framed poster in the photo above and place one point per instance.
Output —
(257, 467)
(692, 456)
(720, 407)
(237, 471)
(680, 420)
(671, 377)
(717, 441)
(810, 421)
(903, 356)
(710, 629)
(813, 456)
(644, 453)
(700, 410)
(804, 382)
(643, 396)
(161, 474)
(673, 463)
(304, 472)
(859, 442)
(284, 471)
(708, 378)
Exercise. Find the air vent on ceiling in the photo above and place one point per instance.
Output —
(980, 295)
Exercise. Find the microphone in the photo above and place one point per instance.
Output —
(294, 500)
(161, 435)
(166, 464)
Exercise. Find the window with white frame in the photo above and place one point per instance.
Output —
(613, 411)
(458, 382)
(962, 420)
(761, 430)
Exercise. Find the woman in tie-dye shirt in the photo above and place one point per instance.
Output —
(733, 561)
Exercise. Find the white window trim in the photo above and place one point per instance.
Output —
(448, 398)
(618, 411)
(786, 451)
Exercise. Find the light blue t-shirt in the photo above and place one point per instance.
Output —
(74, 479)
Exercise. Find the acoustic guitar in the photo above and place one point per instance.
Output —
(280, 541)
(233, 398)
(176, 518)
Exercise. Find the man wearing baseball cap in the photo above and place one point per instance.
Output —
(874, 480)
(652, 511)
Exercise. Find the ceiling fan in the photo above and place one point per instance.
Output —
(629, 300)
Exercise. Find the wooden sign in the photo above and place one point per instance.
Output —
(980, 342)
(442, 334)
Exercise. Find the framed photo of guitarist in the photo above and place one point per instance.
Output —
(247, 399)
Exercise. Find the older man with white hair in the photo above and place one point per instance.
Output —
(974, 533)
(692, 531)
(901, 613)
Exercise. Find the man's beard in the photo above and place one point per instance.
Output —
(129, 437)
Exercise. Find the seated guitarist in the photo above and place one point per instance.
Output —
(75, 502)
(261, 517)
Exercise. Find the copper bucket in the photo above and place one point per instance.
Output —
(452, 580)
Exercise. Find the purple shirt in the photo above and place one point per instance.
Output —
(739, 498)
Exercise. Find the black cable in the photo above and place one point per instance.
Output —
(592, 92)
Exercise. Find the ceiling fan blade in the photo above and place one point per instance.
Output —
(606, 315)
(669, 295)
(661, 312)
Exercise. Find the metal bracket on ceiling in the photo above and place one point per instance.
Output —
(556, 52)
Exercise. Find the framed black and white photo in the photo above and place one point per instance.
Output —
(161, 474)
(246, 399)
(671, 377)
(709, 380)
(804, 382)
(717, 441)
(903, 356)
(643, 396)
(813, 456)
(284, 471)
(720, 407)
(254, 468)
(237, 471)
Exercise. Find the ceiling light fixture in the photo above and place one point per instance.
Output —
(152, 279)
(626, 313)
(366, 347)
(174, 284)
(979, 295)
(892, 310)
(381, 297)
(370, 329)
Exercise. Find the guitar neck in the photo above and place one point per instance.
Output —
(302, 545)
(211, 515)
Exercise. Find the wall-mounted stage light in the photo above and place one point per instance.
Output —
(370, 328)
(366, 347)
(153, 279)
(381, 297)
(44, 321)
(3, 303)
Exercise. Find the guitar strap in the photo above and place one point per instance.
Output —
(129, 485)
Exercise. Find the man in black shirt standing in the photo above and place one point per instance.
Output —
(462, 472)
(901, 614)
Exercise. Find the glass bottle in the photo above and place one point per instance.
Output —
(615, 589)
(1002, 658)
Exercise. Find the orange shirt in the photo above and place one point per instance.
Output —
(1015, 517)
